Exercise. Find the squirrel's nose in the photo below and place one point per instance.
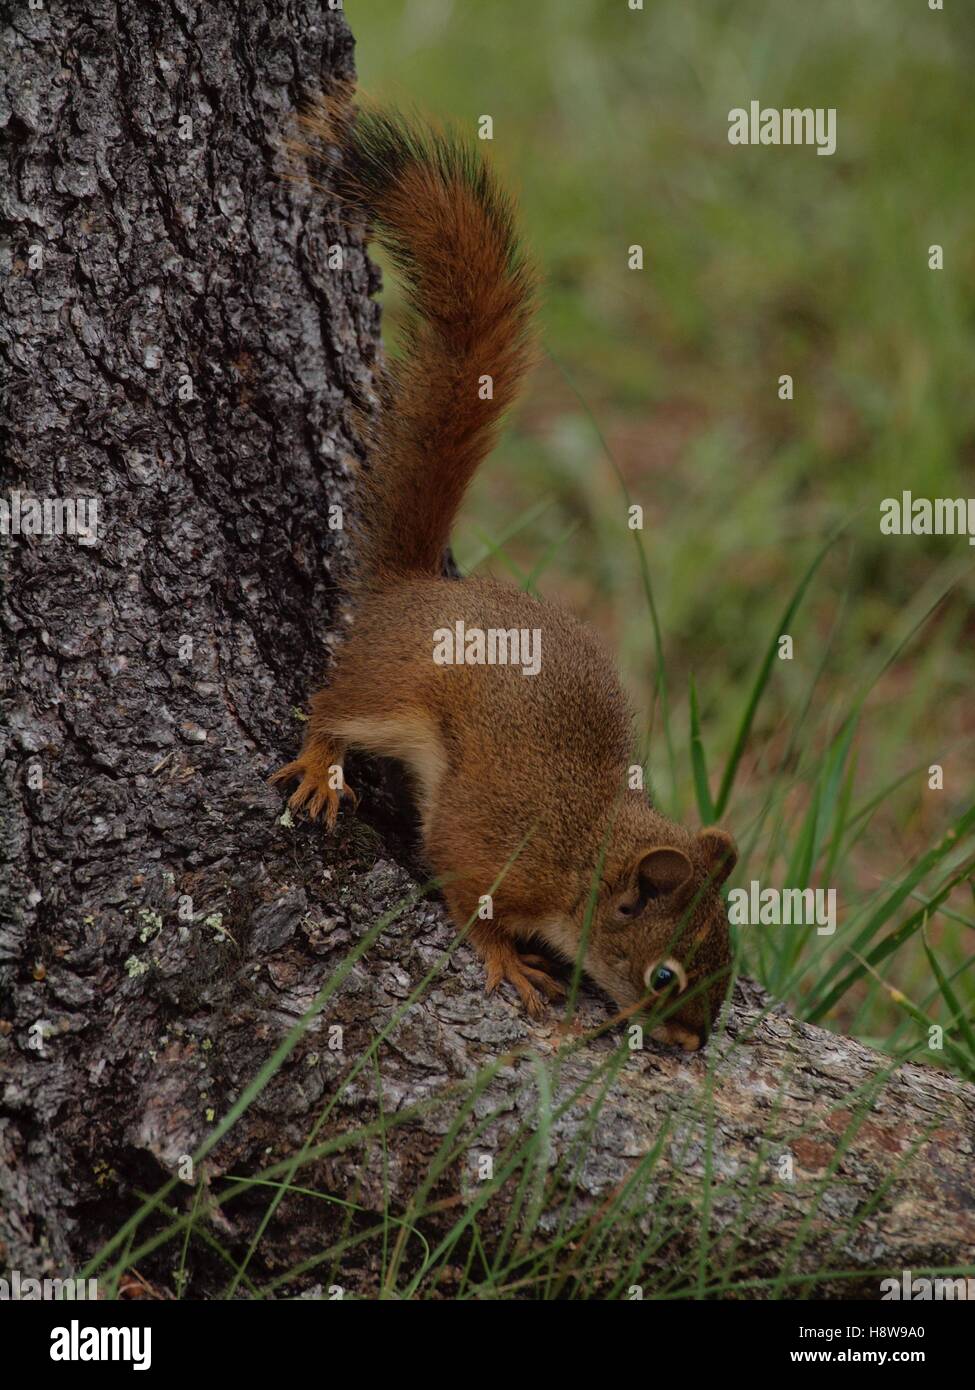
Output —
(690, 1041)
(677, 1035)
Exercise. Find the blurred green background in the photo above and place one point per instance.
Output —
(611, 125)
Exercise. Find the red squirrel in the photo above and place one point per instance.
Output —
(522, 775)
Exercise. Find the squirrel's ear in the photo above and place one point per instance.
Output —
(720, 853)
(662, 871)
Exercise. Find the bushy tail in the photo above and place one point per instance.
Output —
(436, 208)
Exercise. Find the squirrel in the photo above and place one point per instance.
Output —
(521, 777)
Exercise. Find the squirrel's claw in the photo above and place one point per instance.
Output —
(528, 974)
(315, 792)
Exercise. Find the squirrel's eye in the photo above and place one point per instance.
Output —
(664, 975)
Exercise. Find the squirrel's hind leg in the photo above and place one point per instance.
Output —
(318, 767)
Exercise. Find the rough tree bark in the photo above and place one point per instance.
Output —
(177, 346)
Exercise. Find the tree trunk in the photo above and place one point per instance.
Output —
(179, 347)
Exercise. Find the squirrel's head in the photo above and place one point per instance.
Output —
(659, 934)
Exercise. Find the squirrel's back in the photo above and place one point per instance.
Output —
(434, 205)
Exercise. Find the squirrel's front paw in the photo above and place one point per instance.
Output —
(528, 973)
(321, 786)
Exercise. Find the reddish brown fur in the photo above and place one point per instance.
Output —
(474, 311)
(522, 781)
